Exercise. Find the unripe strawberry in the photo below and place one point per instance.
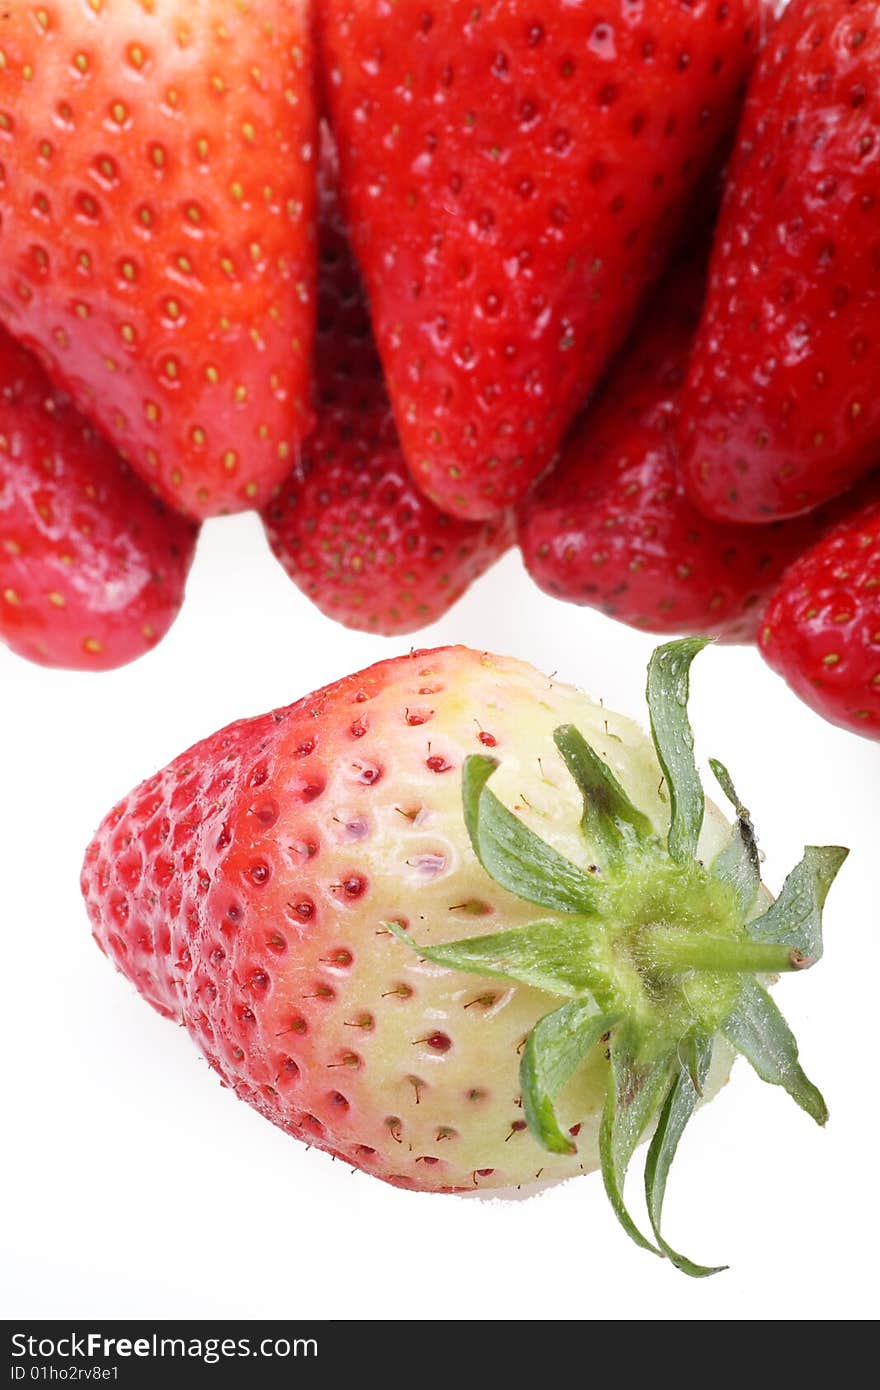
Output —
(255, 890)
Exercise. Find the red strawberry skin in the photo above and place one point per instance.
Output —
(514, 176)
(612, 527)
(783, 405)
(821, 630)
(156, 241)
(349, 525)
(92, 566)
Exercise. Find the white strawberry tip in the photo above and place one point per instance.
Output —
(655, 954)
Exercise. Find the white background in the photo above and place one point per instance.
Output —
(134, 1186)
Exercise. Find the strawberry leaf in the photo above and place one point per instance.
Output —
(635, 1090)
(738, 863)
(555, 1049)
(513, 855)
(668, 690)
(758, 1031)
(610, 821)
(554, 955)
(679, 1106)
(795, 919)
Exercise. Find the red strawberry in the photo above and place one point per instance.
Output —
(349, 525)
(514, 175)
(92, 567)
(612, 527)
(821, 630)
(783, 406)
(156, 243)
(254, 891)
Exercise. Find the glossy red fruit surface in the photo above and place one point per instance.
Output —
(821, 630)
(92, 566)
(514, 177)
(156, 237)
(348, 524)
(613, 528)
(783, 404)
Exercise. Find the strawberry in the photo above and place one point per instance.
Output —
(292, 890)
(514, 175)
(349, 525)
(783, 405)
(156, 241)
(613, 528)
(92, 567)
(821, 630)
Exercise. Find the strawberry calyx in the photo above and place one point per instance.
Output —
(656, 954)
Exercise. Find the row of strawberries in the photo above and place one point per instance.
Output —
(514, 178)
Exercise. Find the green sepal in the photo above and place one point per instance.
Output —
(738, 863)
(635, 1092)
(551, 954)
(668, 691)
(655, 950)
(758, 1031)
(725, 782)
(679, 1106)
(690, 1054)
(555, 1049)
(610, 821)
(513, 855)
(795, 918)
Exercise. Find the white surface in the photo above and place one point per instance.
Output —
(133, 1186)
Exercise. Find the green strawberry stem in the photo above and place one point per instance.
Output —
(655, 953)
(673, 952)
